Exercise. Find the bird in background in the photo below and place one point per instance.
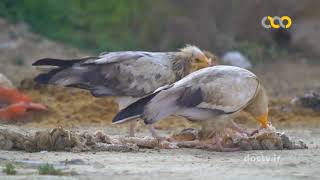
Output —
(126, 75)
(213, 94)
(15, 105)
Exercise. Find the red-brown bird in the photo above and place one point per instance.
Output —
(14, 104)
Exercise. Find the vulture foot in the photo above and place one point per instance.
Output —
(237, 128)
(156, 136)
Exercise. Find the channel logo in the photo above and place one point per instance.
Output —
(276, 22)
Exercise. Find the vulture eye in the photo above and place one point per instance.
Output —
(198, 60)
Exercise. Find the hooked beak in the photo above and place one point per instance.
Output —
(205, 62)
(263, 120)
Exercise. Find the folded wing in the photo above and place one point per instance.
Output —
(113, 74)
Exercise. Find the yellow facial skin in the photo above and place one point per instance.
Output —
(200, 62)
(263, 120)
(204, 60)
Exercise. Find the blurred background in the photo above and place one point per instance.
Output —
(285, 59)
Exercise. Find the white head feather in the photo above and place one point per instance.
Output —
(192, 51)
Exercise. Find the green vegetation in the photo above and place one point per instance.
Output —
(48, 169)
(97, 25)
(114, 25)
(9, 169)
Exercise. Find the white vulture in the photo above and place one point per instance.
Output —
(126, 75)
(213, 93)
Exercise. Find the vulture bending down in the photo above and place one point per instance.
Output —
(127, 75)
(216, 93)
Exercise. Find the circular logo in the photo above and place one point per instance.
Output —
(276, 22)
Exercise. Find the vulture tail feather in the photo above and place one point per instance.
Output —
(134, 110)
(60, 62)
(54, 62)
(44, 78)
(64, 66)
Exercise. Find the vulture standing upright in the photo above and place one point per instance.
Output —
(216, 93)
(127, 75)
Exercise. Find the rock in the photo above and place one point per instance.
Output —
(299, 145)
(59, 139)
(268, 139)
(228, 142)
(188, 134)
(115, 147)
(5, 143)
(235, 58)
(287, 144)
(245, 145)
(5, 82)
(11, 140)
(309, 100)
(255, 144)
(74, 162)
(268, 144)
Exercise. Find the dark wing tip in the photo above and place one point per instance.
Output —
(191, 97)
(134, 110)
(44, 61)
(44, 78)
(61, 62)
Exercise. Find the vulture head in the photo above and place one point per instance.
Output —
(195, 55)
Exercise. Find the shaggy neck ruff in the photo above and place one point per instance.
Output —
(182, 64)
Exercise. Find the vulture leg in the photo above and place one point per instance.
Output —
(132, 127)
(154, 133)
(124, 102)
(237, 128)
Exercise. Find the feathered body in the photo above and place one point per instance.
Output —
(127, 75)
(205, 94)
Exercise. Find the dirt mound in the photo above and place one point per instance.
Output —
(68, 107)
(59, 139)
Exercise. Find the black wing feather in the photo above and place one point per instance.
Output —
(60, 62)
(190, 97)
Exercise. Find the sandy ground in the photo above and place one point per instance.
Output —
(175, 163)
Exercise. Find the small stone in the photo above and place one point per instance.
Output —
(189, 134)
(255, 144)
(245, 145)
(268, 144)
(236, 58)
(74, 162)
(287, 144)
(5, 144)
(228, 142)
(299, 145)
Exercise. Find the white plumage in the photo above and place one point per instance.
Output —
(208, 94)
